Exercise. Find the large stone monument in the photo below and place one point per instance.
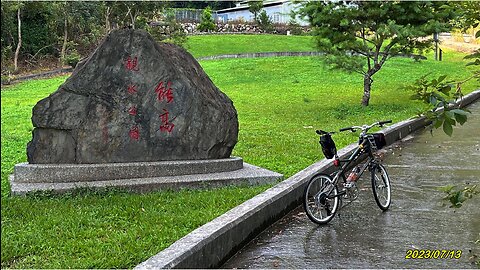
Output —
(134, 100)
(137, 115)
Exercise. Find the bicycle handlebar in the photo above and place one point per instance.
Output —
(365, 128)
(347, 128)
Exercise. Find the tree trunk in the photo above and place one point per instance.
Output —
(367, 85)
(132, 20)
(19, 44)
(65, 39)
(107, 20)
(133, 17)
(132, 23)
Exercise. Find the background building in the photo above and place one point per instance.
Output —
(278, 11)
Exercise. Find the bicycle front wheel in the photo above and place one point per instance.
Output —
(381, 186)
(321, 199)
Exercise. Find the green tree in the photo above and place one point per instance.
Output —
(39, 23)
(8, 30)
(83, 19)
(362, 35)
(33, 31)
(12, 14)
(206, 21)
(265, 22)
(469, 15)
(255, 7)
(45, 29)
(134, 14)
(169, 30)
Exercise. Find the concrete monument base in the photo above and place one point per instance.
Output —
(138, 176)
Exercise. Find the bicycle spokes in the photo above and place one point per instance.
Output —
(381, 187)
(321, 199)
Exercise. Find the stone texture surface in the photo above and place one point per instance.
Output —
(134, 100)
(247, 175)
(58, 173)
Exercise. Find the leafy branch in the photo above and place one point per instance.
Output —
(456, 196)
(439, 96)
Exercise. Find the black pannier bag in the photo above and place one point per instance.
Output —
(328, 146)
(380, 141)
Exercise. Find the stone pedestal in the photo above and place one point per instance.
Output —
(138, 176)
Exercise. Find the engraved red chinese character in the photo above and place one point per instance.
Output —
(132, 110)
(134, 133)
(131, 64)
(132, 89)
(166, 126)
(164, 93)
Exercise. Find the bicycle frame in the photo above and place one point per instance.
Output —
(363, 148)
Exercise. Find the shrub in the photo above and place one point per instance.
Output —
(72, 58)
(265, 22)
(170, 31)
(207, 23)
(294, 28)
(7, 56)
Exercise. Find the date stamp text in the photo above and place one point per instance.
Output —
(433, 254)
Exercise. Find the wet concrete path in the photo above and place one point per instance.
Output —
(362, 236)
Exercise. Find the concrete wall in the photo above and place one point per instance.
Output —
(212, 244)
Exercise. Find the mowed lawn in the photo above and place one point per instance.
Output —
(280, 102)
(200, 46)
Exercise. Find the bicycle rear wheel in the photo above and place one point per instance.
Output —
(320, 199)
(381, 186)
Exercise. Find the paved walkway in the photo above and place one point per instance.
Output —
(362, 236)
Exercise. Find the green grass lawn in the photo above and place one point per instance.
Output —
(105, 230)
(280, 102)
(200, 46)
(110, 229)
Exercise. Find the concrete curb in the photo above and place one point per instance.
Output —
(213, 243)
(280, 54)
(258, 55)
(37, 76)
